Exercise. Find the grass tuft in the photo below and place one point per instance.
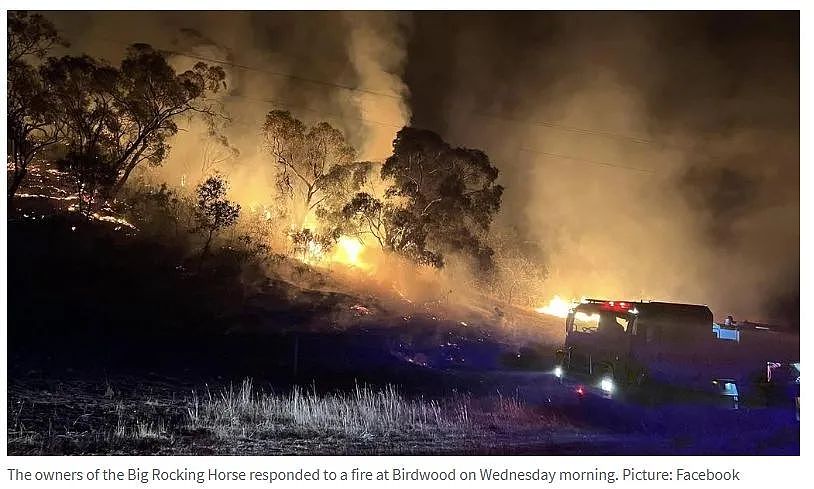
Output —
(362, 414)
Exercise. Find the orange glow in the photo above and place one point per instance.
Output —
(557, 306)
(348, 251)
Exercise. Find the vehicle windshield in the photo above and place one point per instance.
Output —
(599, 321)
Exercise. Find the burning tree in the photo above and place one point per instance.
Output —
(439, 199)
(315, 166)
(32, 123)
(214, 212)
(311, 246)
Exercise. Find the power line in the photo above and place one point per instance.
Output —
(525, 150)
(398, 126)
(549, 124)
(586, 160)
(574, 129)
(282, 103)
(262, 70)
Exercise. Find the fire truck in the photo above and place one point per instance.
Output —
(661, 350)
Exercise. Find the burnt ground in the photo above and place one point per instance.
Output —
(109, 337)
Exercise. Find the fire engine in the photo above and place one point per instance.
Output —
(655, 350)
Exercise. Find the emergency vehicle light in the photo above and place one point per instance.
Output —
(615, 306)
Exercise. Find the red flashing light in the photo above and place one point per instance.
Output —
(615, 306)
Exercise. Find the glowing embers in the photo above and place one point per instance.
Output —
(96, 216)
(360, 310)
(44, 196)
(112, 219)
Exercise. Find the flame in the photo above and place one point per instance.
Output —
(348, 251)
(557, 306)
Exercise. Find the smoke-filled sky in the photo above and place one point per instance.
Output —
(651, 155)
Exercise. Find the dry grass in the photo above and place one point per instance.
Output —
(362, 414)
(241, 419)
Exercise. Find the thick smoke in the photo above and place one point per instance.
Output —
(651, 156)
(377, 51)
(343, 68)
(705, 105)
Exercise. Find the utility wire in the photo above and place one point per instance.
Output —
(280, 103)
(342, 117)
(586, 160)
(549, 124)
(574, 129)
(262, 70)
(547, 154)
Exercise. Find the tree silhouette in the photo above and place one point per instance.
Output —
(32, 122)
(439, 199)
(84, 108)
(30, 35)
(148, 96)
(214, 212)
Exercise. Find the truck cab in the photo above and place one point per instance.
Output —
(615, 345)
(678, 351)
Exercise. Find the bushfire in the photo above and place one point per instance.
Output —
(346, 251)
(557, 306)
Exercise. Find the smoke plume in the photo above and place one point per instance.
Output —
(651, 155)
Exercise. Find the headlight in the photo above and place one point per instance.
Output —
(558, 371)
(606, 385)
